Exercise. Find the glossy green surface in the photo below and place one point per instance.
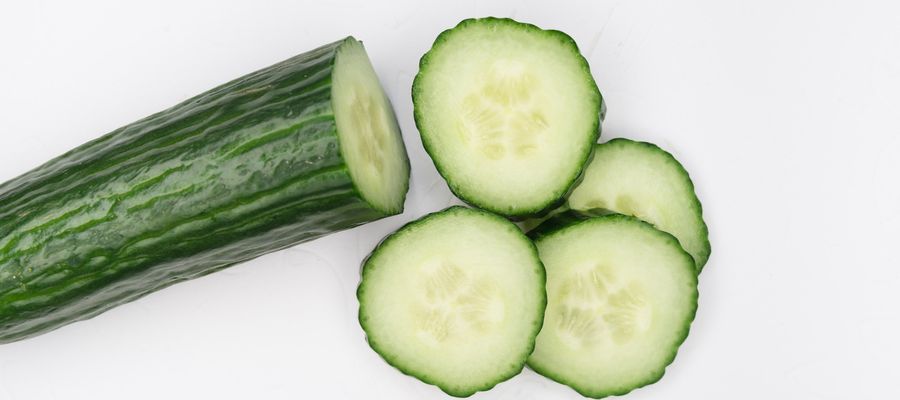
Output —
(244, 169)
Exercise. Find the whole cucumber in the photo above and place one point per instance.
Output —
(286, 154)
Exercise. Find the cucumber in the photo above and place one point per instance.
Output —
(644, 181)
(300, 149)
(454, 299)
(621, 296)
(508, 112)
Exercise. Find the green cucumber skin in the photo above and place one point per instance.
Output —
(562, 218)
(560, 197)
(554, 223)
(363, 321)
(568, 219)
(247, 168)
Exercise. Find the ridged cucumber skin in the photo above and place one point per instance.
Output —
(585, 157)
(244, 169)
(426, 379)
(569, 219)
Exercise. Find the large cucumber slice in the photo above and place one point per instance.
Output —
(303, 148)
(508, 112)
(621, 296)
(454, 299)
(644, 181)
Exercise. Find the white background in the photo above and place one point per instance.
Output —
(786, 113)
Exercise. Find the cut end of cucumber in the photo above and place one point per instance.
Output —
(454, 299)
(508, 112)
(370, 138)
(620, 299)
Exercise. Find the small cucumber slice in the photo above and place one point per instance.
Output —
(644, 181)
(621, 296)
(454, 299)
(508, 112)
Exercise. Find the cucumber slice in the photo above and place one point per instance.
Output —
(621, 296)
(454, 299)
(508, 112)
(644, 181)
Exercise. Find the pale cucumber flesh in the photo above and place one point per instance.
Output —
(644, 181)
(508, 113)
(620, 299)
(369, 136)
(454, 299)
